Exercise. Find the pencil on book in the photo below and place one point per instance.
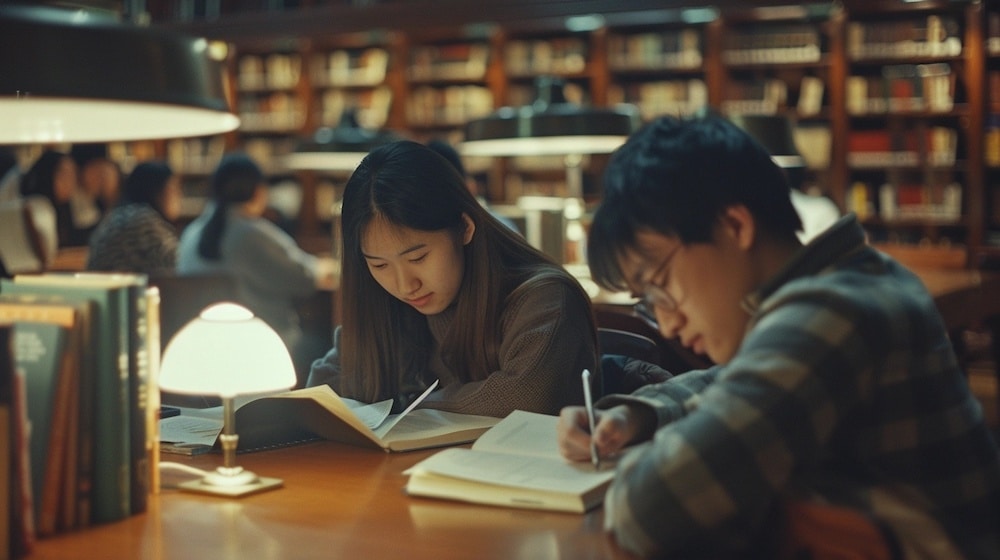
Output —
(589, 403)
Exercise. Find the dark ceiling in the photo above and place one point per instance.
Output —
(317, 18)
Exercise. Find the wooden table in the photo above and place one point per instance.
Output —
(337, 502)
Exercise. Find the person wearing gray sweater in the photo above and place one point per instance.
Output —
(230, 236)
(435, 288)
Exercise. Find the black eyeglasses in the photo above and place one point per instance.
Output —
(654, 295)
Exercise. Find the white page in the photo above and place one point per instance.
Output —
(523, 433)
(192, 428)
(393, 420)
(536, 473)
(372, 415)
(427, 423)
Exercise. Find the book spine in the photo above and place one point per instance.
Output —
(111, 482)
(22, 511)
(68, 514)
(153, 388)
(86, 423)
(138, 397)
(7, 448)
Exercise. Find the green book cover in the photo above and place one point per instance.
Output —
(139, 388)
(43, 347)
(108, 352)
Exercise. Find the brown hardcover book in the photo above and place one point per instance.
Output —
(17, 492)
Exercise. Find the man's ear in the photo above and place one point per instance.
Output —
(738, 223)
(470, 229)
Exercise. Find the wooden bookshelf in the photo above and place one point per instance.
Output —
(924, 75)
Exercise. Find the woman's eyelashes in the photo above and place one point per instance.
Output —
(379, 265)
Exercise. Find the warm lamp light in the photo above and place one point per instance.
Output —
(226, 351)
(340, 148)
(73, 76)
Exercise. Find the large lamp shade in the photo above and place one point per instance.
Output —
(226, 351)
(340, 148)
(74, 76)
(550, 126)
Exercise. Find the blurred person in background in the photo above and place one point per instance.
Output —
(273, 274)
(53, 177)
(98, 188)
(138, 234)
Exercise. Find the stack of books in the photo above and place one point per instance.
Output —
(83, 351)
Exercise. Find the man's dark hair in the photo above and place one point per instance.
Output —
(676, 177)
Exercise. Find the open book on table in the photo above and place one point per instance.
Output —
(319, 413)
(516, 463)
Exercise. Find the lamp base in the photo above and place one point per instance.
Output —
(258, 484)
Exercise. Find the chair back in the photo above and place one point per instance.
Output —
(184, 296)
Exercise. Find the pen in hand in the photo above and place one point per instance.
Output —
(589, 403)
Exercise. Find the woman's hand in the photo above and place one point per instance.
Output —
(613, 430)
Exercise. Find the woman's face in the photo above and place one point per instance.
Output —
(170, 199)
(421, 268)
(64, 180)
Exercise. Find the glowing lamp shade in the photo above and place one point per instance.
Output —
(226, 351)
(73, 76)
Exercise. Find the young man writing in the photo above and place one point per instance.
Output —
(835, 383)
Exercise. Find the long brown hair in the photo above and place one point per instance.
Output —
(385, 341)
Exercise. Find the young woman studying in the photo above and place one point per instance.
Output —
(435, 288)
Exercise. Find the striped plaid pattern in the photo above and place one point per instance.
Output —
(845, 389)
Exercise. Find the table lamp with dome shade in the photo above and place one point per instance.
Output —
(227, 351)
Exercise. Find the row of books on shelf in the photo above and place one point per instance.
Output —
(902, 87)
(342, 68)
(906, 201)
(372, 106)
(79, 375)
(991, 141)
(669, 49)
(759, 97)
(451, 105)
(671, 97)
(993, 32)
(275, 71)
(561, 56)
(773, 45)
(277, 111)
(935, 146)
(460, 61)
(933, 36)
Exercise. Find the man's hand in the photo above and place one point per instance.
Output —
(613, 430)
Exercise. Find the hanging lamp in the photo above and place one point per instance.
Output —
(76, 76)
